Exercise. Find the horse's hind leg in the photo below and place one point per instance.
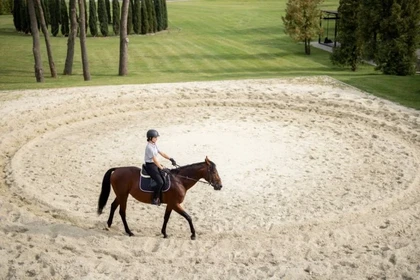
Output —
(123, 207)
(114, 206)
(184, 214)
(168, 212)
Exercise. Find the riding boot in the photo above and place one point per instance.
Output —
(156, 196)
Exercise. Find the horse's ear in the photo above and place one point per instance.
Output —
(207, 160)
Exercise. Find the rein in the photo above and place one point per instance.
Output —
(188, 178)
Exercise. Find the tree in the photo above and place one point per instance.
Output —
(54, 17)
(151, 15)
(108, 10)
(93, 18)
(116, 16)
(86, 15)
(123, 67)
(103, 17)
(144, 18)
(16, 15)
(68, 66)
(45, 8)
(398, 37)
(159, 14)
(47, 39)
(164, 15)
(349, 52)
(39, 73)
(137, 16)
(6, 7)
(21, 16)
(130, 17)
(85, 61)
(368, 26)
(25, 18)
(302, 21)
(64, 19)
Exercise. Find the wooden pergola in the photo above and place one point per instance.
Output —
(329, 19)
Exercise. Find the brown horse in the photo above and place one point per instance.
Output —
(125, 180)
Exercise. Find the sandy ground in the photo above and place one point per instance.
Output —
(321, 181)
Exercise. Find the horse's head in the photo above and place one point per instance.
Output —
(212, 176)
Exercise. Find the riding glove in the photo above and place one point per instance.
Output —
(173, 161)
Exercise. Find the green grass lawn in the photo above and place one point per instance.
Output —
(206, 40)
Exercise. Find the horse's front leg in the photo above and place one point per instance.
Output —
(168, 212)
(184, 214)
(123, 207)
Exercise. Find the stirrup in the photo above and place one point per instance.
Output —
(156, 201)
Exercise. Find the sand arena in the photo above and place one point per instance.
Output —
(321, 181)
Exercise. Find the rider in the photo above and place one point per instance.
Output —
(153, 166)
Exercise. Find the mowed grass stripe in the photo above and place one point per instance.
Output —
(184, 58)
(145, 55)
(193, 59)
(203, 49)
(210, 52)
(206, 40)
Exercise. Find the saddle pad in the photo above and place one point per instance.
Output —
(147, 184)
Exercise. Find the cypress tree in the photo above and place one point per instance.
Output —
(24, 18)
(16, 15)
(108, 10)
(137, 16)
(349, 51)
(159, 18)
(58, 11)
(398, 37)
(93, 18)
(54, 20)
(151, 15)
(369, 22)
(103, 17)
(65, 24)
(45, 7)
(144, 18)
(164, 15)
(116, 16)
(130, 17)
(155, 24)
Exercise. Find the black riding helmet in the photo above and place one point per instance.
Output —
(152, 133)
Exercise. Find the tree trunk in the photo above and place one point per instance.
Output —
(123, 69)
(82, 23)
(39, 75)
(307, 46)
(68, 67)
(47, 39)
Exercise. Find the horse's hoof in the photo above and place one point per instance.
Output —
(130, 234)
(165, 236)
(192, 237)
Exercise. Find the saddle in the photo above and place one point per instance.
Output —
(147, 184)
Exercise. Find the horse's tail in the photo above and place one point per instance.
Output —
(106, 189)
